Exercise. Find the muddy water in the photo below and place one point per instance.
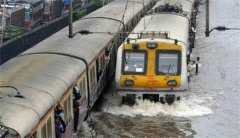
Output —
(108, 125)
(145, 119)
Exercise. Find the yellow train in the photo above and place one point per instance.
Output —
(152, 62)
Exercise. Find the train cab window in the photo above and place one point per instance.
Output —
(134, 62)
(168, 63)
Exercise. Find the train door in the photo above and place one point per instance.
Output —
(63, 115)
(92, 83)
(83, 102)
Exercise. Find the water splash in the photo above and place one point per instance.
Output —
(86, 131)
(193, 106)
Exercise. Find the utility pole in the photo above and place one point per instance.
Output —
(217, 28)
(70, 26)
(207, 18)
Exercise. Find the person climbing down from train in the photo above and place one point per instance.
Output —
(59, 111)
(60, 127)
(75, 116)
(76, 104)
(60, 124)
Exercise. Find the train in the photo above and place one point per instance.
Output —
(37, 86)
(153, 61)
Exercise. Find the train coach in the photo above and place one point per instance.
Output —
(153, 61)
(37, 87)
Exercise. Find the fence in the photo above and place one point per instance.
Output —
(21, 43)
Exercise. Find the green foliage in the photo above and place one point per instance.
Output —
(12, 31)
(97, 3)
(78, 14)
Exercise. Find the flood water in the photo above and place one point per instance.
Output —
(210, 110)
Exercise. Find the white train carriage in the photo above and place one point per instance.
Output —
(184, 7)
(33, 84)
(152, 63)
(187, 8)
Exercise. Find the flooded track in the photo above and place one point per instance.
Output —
(212, 107)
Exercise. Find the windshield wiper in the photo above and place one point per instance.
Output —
(169, 67)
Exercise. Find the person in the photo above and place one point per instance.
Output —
(76, 115)
(59, 111)
(60, 124)
(60, 127)
(76, 93)
(76, 104)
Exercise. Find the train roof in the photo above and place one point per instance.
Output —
(176, 26)
(185, 5)
(89, 45)
(42, 79)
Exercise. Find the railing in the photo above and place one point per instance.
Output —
(21, 43)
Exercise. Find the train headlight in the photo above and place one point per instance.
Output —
(152, 45)
(129, 83)
(172, 83)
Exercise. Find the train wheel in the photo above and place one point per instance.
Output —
(162, 101)
(170, 99)
(123, 99)
(129, 99)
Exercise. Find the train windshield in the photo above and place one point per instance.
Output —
(168, 63)
(134, 62)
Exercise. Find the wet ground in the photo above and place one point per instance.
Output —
(212, 107)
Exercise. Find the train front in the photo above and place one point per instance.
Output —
(152, 69)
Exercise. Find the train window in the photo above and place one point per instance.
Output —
(92, 76)
(168, 62)
(69, 108)
(83, 86)
(44, 131)
(49, 127)
(66, 113)
(134, 62)
(103, 61)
